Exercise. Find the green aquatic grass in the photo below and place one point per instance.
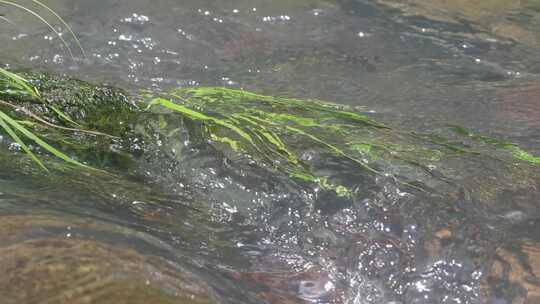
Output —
(64, 23)
(265, 127)
(257, 135)
(12, 84)
(15, 85)
(514, 149)
(273, 130)
(18, 140)
(8, 124)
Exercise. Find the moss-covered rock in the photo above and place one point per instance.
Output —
(299, 142)
(280, 169)
(94, 107)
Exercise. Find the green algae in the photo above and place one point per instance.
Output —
(514, 149)
(276, 131)
(262, 125)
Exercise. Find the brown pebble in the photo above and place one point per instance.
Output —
(444, 233)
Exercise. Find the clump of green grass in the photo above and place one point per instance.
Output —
(275, 130)
(514, 149)
(13, 84)
(268, 128)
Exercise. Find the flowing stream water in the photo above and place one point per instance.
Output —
(203, 231)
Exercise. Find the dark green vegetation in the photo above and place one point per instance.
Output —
(306, 141)
(15, 86)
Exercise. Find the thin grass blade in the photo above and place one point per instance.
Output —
(63, 115)
(6, 20)
(64, 23)
(40, 142)
(38, 16)
(18, 140)
(19, 82)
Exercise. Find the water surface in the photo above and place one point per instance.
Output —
(203, 234)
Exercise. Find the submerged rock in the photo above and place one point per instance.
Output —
(515, 275)
(511, 21)
(43, 265)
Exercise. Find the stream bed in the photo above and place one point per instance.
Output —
(190, 223)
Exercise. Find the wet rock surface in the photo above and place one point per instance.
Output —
(512, 21)
(45, 262)
(515, 275)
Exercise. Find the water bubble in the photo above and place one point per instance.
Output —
(15, 147)
(136, 19)
(124, 37)
(19, 36)
(515, 216)
(58, 59)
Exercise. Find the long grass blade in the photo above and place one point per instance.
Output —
(64, 23)
(18, 140)
(200, 116)
(23, 84)
(63, 115)
(6, 20)
(40, 142)
(33, 13)
(19, 82)
(46, 123)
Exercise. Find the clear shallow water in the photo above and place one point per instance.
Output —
(263, 241)
(354, 52)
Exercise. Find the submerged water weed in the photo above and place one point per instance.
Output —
(14, 85)
(38, 16)
(275, 131)
(272, 128)
(308, 141)
(261, 125)
(10, 126)
(514, 149)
